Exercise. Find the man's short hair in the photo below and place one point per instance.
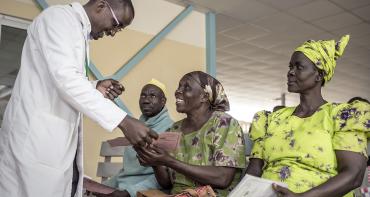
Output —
(124, 4)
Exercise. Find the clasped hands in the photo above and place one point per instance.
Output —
(152, 155)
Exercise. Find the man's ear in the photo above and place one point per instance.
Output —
(163, 101)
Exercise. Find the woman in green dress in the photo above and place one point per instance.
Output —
(317, 148)
(211, 151)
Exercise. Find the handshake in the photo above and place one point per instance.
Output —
(134, 130)
(168, 141)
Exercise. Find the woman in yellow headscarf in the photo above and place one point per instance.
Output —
(317, 148)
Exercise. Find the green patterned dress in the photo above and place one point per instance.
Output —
(301, 151)
(218, 143)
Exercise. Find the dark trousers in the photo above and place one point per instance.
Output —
(74, 178)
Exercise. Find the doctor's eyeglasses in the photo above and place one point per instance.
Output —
(117, 27)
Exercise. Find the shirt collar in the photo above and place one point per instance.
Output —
(82, 16)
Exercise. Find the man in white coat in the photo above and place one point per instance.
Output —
(41, 132)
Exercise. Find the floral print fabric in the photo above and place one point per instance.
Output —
(301, 151)
(219, 142)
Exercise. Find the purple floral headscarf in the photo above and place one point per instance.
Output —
(216, 92)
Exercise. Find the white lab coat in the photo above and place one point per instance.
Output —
(41, 130)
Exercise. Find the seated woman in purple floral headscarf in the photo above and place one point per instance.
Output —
(212, 150)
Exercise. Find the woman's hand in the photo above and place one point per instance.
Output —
(284, 192)
(152, 156)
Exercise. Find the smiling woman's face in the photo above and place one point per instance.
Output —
(303, 74)
(188, 95)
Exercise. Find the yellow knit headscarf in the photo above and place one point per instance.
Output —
(159, 84)
(324, 54)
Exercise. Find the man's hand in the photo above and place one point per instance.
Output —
(110, 88)
(136, 132)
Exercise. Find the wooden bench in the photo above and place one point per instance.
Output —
(108, 168)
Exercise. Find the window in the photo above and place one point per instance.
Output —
(12, 36)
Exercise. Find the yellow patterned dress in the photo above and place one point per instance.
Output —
(301, 151)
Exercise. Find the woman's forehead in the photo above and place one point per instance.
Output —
(190, 81)
(299, 57)
(187, 78)
(195, 76)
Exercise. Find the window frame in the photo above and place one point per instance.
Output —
(13, 22)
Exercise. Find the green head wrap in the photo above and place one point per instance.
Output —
(324, 54)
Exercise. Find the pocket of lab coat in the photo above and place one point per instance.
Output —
(49, 140)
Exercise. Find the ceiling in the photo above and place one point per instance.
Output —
(255, 39)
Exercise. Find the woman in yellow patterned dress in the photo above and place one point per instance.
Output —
(317, 148)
